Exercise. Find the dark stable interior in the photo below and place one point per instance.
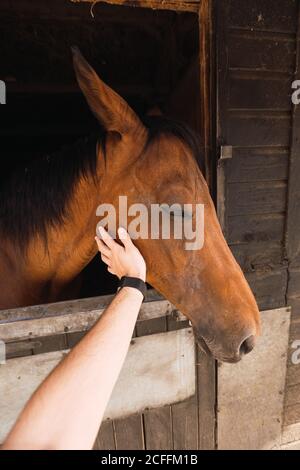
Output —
(149, 57)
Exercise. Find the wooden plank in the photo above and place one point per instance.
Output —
(258, 164)
(269, 287)
(296, 260)
(256, 90)
(72, 322)
(69, 307)
(68, 317)
(184, 416)
(158, 429)
(256, 228)
(294, 283)
(174, 322)
(74, 338)
(292, 409)
(153, 426)
(251, 392)
(158, 370)
(105, 439)
(293, 219)
(157, 422)
(294, 302)
(264, 197)
(252, 256)
(150, 327)
(50, 343)
(39, 345)
(223, 72)
(54, 309)
(177, 5)
(185, 424)
(264, 51)
(222, 196)
(266, 15)
(205, 55)
(20, 348)
(258, 128)
(207, 398)
(129, 433)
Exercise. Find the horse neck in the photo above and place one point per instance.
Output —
(71, 246)
(45, 270)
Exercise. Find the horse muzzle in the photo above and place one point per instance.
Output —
(231, 351)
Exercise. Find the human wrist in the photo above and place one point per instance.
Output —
(133, 292)
(138, 273)
(133, 282)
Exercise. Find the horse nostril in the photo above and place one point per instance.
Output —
(247, 345)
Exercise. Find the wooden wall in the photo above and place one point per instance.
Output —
(258, 57)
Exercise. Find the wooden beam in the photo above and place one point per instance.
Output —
(205, 31)
(293, 219)
(291, 430)
(175, 5)
(206, 365)
(70, 317)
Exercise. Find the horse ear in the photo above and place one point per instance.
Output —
(109, 108)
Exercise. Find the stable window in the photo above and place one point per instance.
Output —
(154, 58)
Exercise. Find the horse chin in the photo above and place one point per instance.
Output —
(203, 346)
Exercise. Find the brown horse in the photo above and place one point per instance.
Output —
(48, 220)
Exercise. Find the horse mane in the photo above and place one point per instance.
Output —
(35, 197)
(158, 125)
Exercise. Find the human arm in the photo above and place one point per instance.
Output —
(66, 410)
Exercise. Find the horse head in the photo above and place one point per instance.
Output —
(149, 167)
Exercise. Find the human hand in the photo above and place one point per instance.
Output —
(121, 260)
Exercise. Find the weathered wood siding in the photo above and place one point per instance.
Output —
(176, 5)
(257, 54)
(292, 397)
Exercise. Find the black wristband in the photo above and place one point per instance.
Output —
(135, 282)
